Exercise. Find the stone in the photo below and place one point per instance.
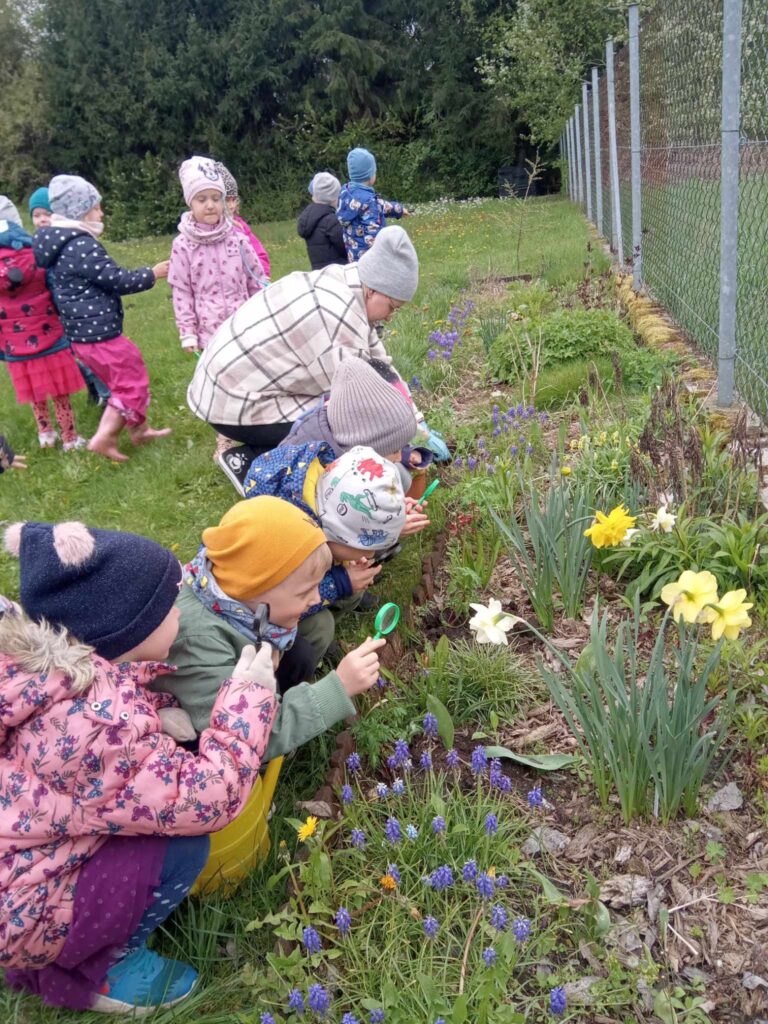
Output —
(581, 991)
(729, 798)
(544, 839)
(625, 891)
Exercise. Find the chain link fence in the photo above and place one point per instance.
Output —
(703, 91)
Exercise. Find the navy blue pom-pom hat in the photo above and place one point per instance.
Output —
(111, 590)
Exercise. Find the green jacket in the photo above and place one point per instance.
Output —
(206, 651)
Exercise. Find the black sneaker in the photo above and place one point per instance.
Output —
(235, 463)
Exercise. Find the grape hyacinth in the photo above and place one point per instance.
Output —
(469, 871)
(502, 881)
(343, 920)
(485, 886)
(489, 956)
(377, 1016)
(392, 830)
(497, 778)
(441, 878)
(311, 940)
(354, 764)
(393, 871)
(430, 724)
(318, 1000)
(491, 824)
(296, 1001)
(347, 796)
(349, 1018)
(438, 824)
(425, 761)
(557, 1001)
(357, 838)
(521, 928)
(431, 927)
(400, 755)
(382, 790)
(452, 759)
(499, 917)
(398, 787)
(266, 1018)
(411, 832)
(479, 761)
(535, 797)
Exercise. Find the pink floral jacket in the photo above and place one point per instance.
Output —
(77, 767)
(258, 248)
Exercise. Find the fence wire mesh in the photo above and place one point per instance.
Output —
(624, 149)
(606, 228)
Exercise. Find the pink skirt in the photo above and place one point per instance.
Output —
(35, 380)
(120, 365)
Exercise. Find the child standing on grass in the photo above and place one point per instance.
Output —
(87, 290)
(232, 199)
(319, 226)
(40, 208)
(362, 212)
(32, 341)
(104, 819)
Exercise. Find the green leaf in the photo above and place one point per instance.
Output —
(444, 720)
(543, 762)
(551, 893)
(459, 1014)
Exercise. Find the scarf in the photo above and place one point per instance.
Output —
(204, 234)
(198, 574)
(93, 228)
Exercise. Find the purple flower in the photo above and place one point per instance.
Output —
(499, 917)
(440, 1020)
(431, 927)
(471, 462)
(296, 1001)
(489, 956)
(311, 940)
(318, 999)
(469, 871)
(485, 886)
(431, 355)
(497, 778)
(502, 881)
(557, 1001)
(430, 724)
(529, 449)
(521, 927)
(415, 383)
(535, 797)
(376, 1016)
(441, 878)
(458, 462)
(452, 759)
(400, 755)
(392, 830)
(513, 449)
(347, 796)
(357, 838)
(411, 832)
(343, 920)
(543, 417)
(349, 1018)
(438, 824)
(481, 443)
(479, 760)
(382, 791)
(519, 410)
(354, 763)
(266, 1018)
(496, 431)
(491, 824)
(392, 870)
(398, 787)
(425, 761)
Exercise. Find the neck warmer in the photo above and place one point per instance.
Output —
(198, 574)
(93, 228)
(204, 234)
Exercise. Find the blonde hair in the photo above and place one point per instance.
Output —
(40, 648)
(320, 561)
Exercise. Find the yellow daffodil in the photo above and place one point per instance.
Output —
(565, 471)
(729, 615)
(307, 829)
(614, 465)
(690, 594)
(608, 530)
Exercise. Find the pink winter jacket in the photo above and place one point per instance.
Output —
(259, 249)
(210, 281)
(78, 765)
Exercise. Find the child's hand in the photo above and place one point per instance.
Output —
(359, 670)
(256, 667)
(177, 724)
(19, 462)
(415, 459)
(415, 519)
(161, 269)
(362, 574)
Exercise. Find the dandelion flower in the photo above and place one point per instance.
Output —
(663, 521)
(609, 530)
(565, 471)
(690, 594)
(307, 829)
(387, 882)
(729, 616)
(490, 624)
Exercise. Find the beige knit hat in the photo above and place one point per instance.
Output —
(365, 409)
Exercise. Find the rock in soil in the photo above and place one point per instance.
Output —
(625, 891)
(728, 798)
(545, 839)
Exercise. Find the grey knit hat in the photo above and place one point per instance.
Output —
(72, 196)
(325, 188)
(230, 185)
(391, 265)
(363, 408)
(8, 211)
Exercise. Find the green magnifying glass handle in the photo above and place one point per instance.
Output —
(386, 619)
(432, 487)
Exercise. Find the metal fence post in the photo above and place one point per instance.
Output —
(567, 158)
(634, 117)
(729, 199)
(613, 155)
(587, 148)
(598, 154)
(572, 153)
(579, 165)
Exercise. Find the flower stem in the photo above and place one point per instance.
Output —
(465, 957)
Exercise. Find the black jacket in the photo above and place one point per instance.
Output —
(86, 283)
(320, 229)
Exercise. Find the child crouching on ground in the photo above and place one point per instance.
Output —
(87, 285)
(104, 820)
(255, 575)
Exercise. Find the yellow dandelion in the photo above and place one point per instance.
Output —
(307, 829)
(387, 882)
(565, 471)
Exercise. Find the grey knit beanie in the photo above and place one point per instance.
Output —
(72, 196)
(230, 185)
(9, 212)
(391, 265)
(363, 408)
(325, 188)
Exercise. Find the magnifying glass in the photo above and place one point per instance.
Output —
(432, 487)
(386, 619)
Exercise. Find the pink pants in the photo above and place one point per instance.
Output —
(120, 365)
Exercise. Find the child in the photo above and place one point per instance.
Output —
(213, 270)
(40, 208)
(232, 199)
(104, 820)
(32, 340)
(265, 557)
(87, 285)
(8, 458)
(319, 226)
(362, 212)
(358, 501)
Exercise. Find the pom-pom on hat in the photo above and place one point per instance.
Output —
(365, 409)
(71, 196)
(259, 543)
(325, 188)
(391, 265)
(9, 212)
(360, 500)
(39, 200)
(361, 165)
(197, 174)
(108, 589)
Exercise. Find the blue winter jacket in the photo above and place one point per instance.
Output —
(86, 283)
(281, 473)
(362, 214)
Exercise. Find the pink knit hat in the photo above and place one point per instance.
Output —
(197, 174)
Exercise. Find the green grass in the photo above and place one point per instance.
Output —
(171, 491)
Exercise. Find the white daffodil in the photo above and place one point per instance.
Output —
(663, 521)
(627, 542)
(490, 624)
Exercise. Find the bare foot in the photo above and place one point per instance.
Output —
(145, 434)
(107, 447)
